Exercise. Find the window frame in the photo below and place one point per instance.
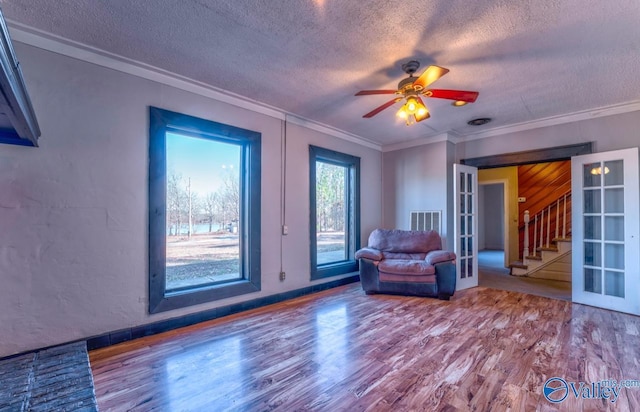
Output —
(352, 164)
(160, 122)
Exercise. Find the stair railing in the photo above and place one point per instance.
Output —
(542, 225)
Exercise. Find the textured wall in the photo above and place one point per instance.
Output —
(417, 178)
(73, 213)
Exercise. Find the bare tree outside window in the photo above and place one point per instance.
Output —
(203, 212)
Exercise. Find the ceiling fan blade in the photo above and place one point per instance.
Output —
(368, 92)
(418, 117)
(430, 75)
(463, 95)
(381, 108)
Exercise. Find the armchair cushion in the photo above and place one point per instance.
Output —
(439, 256)
(406, 267)
(369, 253)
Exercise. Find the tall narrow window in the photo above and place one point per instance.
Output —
(335, 212)
(204, 211)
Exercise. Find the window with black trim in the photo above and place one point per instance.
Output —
(204, 210)
(335, 212)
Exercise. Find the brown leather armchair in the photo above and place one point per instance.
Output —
(407, 263)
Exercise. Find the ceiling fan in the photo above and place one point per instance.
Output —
(412, 88)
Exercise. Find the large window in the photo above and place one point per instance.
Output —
(335, 212)
(204, 210)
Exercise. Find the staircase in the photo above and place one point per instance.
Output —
(549, 231)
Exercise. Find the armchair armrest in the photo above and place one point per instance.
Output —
(439, 256)
(369, 253)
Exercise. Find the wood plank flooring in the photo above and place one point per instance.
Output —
(341, 350)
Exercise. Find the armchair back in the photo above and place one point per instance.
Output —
(404, 241)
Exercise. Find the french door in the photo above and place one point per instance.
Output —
(465, 206)
(605, 230)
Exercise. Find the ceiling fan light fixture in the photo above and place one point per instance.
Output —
(459, 103)
(412, 105)
(402, 113)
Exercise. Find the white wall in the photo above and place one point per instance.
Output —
(418, 178)
(491, 216)
(609, 133)
(74, 214)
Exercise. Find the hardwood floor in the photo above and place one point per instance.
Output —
(341, 350)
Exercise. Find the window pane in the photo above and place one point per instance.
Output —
(470, 203)
(591, 173)
(469, 183)
(470, 225)
(592, 280)
(335, 212)
(592, 201)
(614, 256)
(331, 213)
(463, 268)
(592, 227)
(614, 173)
(614, 228)
(202, 212)
(463, 230)
(462, 183)
(462, 204)
(470, 267)
(614, 284)
(614, 200)
(592, 254)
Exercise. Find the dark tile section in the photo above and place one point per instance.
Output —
(54, 379)
(124, 335)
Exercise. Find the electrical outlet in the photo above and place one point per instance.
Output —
(285, 230)
(283, 275)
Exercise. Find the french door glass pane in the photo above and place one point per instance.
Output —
(614, 256)
(462, 225)
(614, 283)
(614, 228)
(470, 225)
(592, 227)
(470, 267)
(592, 255)
(202, 211)
(463, 268)
(614, 173)
(462, 183)
(614, 200)
(462, 204)
(592, 201)
(592, 280)
(591, 173)
(331, 213)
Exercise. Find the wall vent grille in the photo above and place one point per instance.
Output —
(426, 220)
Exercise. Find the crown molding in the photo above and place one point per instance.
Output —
(322, 128)
(60, 45)
(556, 120)
(453, 137)
(442, 137)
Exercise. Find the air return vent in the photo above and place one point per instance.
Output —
(426, 220)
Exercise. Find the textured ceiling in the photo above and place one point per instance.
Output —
(528, 59)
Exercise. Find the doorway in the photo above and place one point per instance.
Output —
(499, 237)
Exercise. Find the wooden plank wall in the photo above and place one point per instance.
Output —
(541, 183)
